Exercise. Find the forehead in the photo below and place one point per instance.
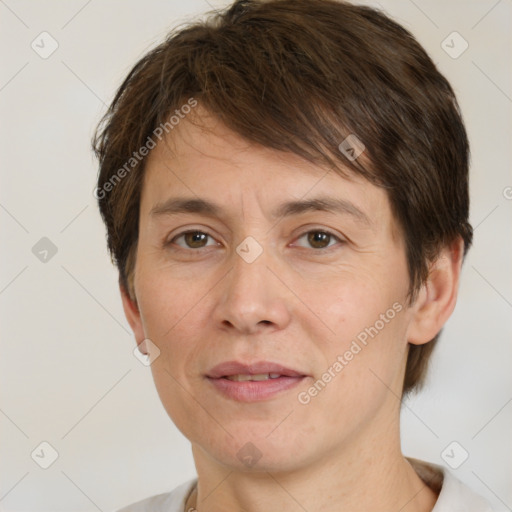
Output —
(203, 159)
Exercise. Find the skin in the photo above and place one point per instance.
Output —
(298, 304)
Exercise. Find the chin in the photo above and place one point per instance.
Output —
(258, 454)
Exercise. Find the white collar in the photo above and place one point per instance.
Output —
(453, 495)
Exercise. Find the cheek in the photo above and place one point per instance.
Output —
(361, 373)
(353, 302)
(367, 345)
(171, 315)
(165, 304)
(170, 319)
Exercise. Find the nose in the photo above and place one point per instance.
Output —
(252, 299)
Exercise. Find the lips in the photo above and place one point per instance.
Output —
(235, 368)
(253, 382)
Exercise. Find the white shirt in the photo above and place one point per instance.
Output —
(454, 496)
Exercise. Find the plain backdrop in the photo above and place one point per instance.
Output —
(68, 374)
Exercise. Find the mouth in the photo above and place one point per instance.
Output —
(253, 382)
(240, 377)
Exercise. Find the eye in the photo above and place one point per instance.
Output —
(193, 240)
(319, 239)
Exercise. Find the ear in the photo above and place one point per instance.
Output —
(437, 297)
(132, 313)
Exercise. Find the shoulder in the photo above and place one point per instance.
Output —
(453, 495)
(173, 501)
(456, 495)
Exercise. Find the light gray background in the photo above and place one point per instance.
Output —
(68, 373)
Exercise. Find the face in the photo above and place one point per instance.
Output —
(270, 267)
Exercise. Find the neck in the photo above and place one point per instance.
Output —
(374, 477)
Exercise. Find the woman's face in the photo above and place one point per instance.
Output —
(251, 256)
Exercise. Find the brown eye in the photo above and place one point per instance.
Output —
(193, 240)
(319, 239)
(196, 239)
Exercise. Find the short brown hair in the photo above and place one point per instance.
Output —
(300, 76)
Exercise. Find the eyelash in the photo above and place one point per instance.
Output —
(323, 249)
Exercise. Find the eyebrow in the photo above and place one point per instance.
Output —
(177, 205)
